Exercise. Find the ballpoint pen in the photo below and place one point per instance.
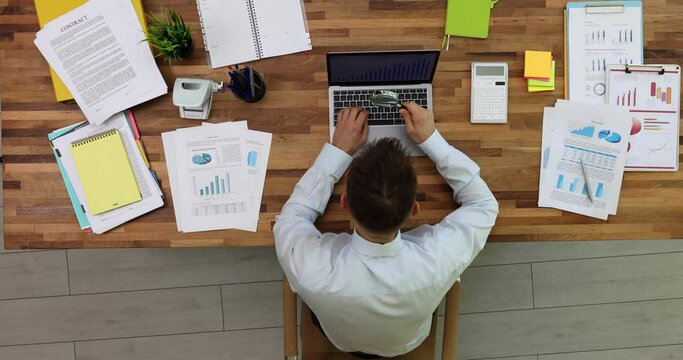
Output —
(585, 179)
(252, 91)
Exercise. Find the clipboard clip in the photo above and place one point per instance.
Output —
(603, 8)
(629, 68)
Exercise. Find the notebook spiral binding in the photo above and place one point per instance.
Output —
(258, 48)
(201, 24)
(95, 137)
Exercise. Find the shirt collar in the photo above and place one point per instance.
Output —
(369, 248)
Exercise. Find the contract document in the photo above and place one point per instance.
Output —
(98, 51)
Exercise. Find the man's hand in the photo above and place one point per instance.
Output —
(351, 131)
(419, 122)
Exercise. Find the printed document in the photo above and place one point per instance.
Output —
(583, 138)
(213, 184)
(653, 99)
(217, 174)
(98, 51)
(597, 37)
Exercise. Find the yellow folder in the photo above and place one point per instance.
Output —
(105, 172)
(48, 10)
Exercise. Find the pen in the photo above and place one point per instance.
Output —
(251, 82)
(585, 179)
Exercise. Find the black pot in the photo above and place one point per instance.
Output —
(187, 52)
(259, 87)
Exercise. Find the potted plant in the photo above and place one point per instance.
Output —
(170, 36)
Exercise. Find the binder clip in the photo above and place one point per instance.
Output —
(194, 96)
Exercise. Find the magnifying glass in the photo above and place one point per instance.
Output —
(386, 98)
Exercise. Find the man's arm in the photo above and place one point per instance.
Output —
(462, 234)
(294, 230)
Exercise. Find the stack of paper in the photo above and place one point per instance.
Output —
(217, 173)
(583, 156)
(152, 197)
(539, 70)
(98, 51)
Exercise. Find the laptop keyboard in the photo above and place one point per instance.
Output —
(377, 115)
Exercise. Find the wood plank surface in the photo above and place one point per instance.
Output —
(111, 315)
(38, 214)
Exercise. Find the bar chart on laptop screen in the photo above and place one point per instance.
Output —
(416, 70)
(382, 67)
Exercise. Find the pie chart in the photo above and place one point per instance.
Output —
(609, 136)
(201, 159)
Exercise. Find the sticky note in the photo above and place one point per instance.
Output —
(538, 85)
(538, 65)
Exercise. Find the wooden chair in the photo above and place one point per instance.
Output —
(316, 347)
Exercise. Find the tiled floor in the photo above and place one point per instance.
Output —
(542, 301)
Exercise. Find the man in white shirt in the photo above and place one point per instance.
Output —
(374, 291)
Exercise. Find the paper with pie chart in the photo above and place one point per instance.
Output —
(578, 138)
(214, 191)
(651, 93)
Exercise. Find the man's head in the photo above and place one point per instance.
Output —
(381, 187)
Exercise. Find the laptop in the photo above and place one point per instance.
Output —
(354, 77)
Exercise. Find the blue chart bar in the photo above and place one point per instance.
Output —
(218, 185)
(212, 189)
(201, 192)
(560, 181)
(206, 190)
(227, 180)
(251, 158)
(223, 186)
(574, 186)
(598, 192)
(585, 190)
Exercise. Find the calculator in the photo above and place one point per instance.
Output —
(489, 100)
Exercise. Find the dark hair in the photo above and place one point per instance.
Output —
(381, 185)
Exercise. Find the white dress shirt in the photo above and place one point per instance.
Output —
(373, 298)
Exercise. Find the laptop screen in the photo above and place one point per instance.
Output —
(381, 68)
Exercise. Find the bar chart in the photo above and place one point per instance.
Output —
(579, 186)
(219, 185)
(416, 70)
(627, 98)
(661, 94)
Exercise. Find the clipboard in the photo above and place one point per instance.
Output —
(598, 34)
(652, 95)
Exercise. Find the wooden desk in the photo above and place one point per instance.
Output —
(38, 213)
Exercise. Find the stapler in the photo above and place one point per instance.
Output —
(194, 96)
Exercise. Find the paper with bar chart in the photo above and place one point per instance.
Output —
(258, 152)
(580, 137)
(598, 35)
(652, 98)
(213, 183)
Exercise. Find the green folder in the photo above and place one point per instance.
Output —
(468, 18)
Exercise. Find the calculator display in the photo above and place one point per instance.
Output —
(490, 71)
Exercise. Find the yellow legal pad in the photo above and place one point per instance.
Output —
(537, 65)
(105, 172)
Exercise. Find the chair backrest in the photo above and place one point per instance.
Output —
(315, 345)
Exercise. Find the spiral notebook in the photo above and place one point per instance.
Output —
(238, 31)
(105, 172)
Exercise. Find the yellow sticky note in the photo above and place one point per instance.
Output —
(538, 85)
(537, 65)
